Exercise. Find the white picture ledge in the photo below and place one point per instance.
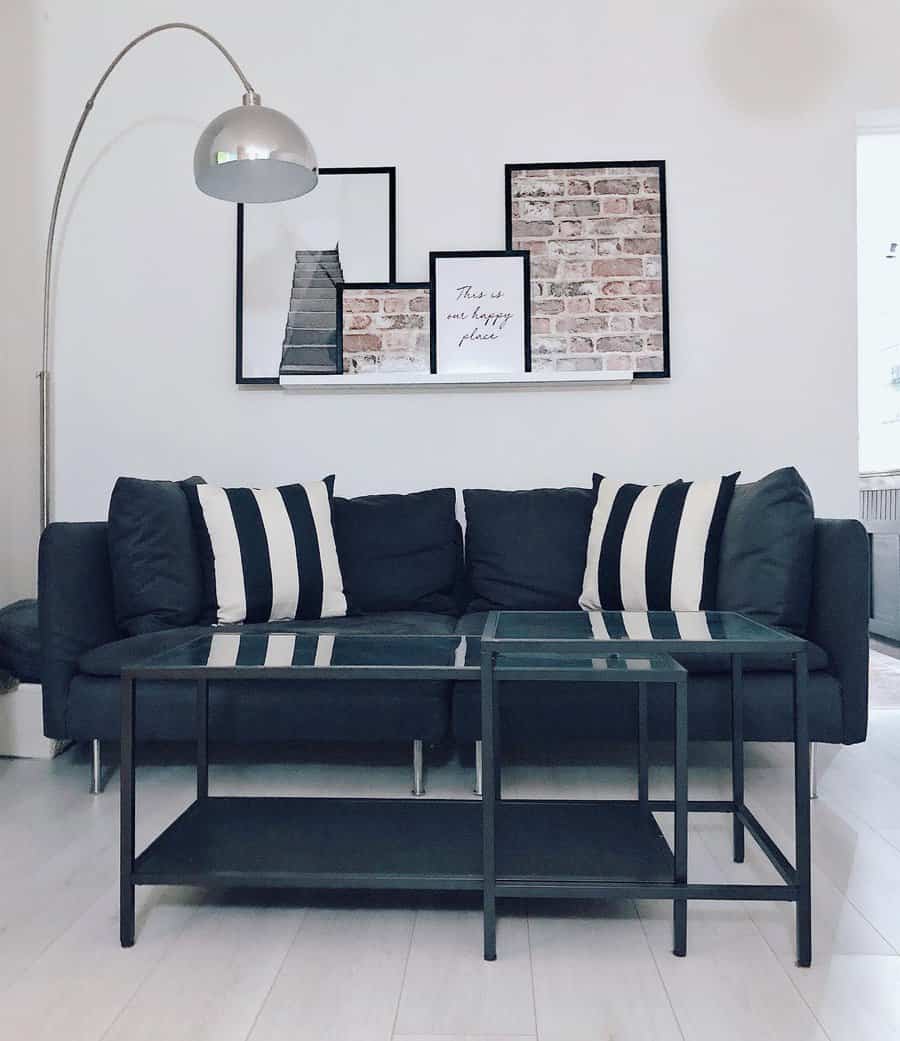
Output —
(420, 379)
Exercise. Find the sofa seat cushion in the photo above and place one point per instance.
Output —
(472, 624)
(706, 664)
(537, 712)
(248, 711)
(20, 641)
(111, 658)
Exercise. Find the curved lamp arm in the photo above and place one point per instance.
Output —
(44, 374)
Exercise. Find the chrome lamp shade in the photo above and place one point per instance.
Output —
(247, 154)
(254, 154)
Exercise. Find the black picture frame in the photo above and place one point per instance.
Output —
(339, 317)
(391, 172)
(475, 254)
(656, 165)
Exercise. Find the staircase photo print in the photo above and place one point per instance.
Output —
(291, 259)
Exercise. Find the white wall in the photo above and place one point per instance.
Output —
(20, 302)
(751, 103)
(878, 223)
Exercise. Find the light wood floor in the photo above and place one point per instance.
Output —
(229, 967)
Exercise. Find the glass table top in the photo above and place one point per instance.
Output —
(324, 651)
(679, 630)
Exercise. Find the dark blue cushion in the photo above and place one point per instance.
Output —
(20, 641)
(248, 711)
(766, 555)
(400, 552)
(157, 580)
(110, 658)
(538, 712)
(525, 550)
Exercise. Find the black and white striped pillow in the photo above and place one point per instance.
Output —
(268, 554)
(655, 548)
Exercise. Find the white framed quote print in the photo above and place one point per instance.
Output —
(480, 313)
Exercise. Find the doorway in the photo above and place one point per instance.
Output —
(878, 286)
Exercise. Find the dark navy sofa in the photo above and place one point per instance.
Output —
(405, 573)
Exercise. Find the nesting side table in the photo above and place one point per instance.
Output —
(632, 865)
(583, 848)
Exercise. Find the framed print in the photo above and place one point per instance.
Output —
(596, 234)
(480, 313)
(383, 328)
(291, 258)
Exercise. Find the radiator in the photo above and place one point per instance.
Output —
(879, 510)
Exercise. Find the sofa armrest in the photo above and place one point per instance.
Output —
(75, 608)
(839, 615)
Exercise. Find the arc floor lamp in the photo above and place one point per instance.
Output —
(247, 154)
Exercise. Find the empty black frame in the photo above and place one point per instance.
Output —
(391, 173)
(475, 254)
(658, 168)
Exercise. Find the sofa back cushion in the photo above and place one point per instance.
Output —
(157, 582)
(401, 552)
(268, 554)
(766, 558)
(655, 547)
(525, 550)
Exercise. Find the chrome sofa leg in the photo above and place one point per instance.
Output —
(813, 778)
(478, 774)
(418, 787)
(96, 768)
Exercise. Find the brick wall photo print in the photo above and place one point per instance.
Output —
(596, 234)
(384, 328)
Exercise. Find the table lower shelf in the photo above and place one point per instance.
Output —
(403, 844)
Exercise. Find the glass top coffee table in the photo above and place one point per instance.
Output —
(601, 633)
(694, 632)
(373, 843)
(283, 655)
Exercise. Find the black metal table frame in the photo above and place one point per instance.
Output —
(796, 887)
(129, 877)
(131, 874)
(495, 886)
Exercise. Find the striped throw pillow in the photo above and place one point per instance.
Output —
(268, 554)
(655, 548)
